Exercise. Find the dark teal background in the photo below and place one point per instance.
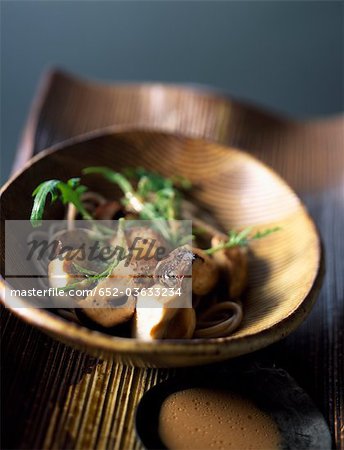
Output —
(286, 56)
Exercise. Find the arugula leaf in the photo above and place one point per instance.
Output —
(181, 182)
(41, 193)
(166, 203)
(241, 239)
(111, 175)
(153, 198)
(130, 196)
(158, 181)
(69, 192)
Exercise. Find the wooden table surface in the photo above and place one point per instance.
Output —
(56, 397)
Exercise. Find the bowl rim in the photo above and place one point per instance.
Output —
(81, 335)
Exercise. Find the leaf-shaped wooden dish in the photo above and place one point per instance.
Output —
(284, 269)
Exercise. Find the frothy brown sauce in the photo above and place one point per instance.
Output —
(203, 418)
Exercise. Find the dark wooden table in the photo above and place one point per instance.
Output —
(56, 397)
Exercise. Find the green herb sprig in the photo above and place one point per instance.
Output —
(67, 192)
(156, 180)
(92, 276)
(241, 239)
(154, 198)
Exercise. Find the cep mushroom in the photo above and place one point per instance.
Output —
(104, 305)
(183, 263)
(159, 317)
(205, 273)
(110, 312)
(60, 271)
(70, 245)
(175, 268)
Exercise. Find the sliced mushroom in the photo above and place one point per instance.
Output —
(140, 255)
(205, 272)
(130, 273)
(108, 304)
(146, 243)
(110, 311)
(60, 271)
(172, 270)
(233, 263)
(158, 317)
(184, 262)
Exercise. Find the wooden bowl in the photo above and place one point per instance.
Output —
(284, 268)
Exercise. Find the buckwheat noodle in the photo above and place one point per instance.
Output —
(210, 325)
